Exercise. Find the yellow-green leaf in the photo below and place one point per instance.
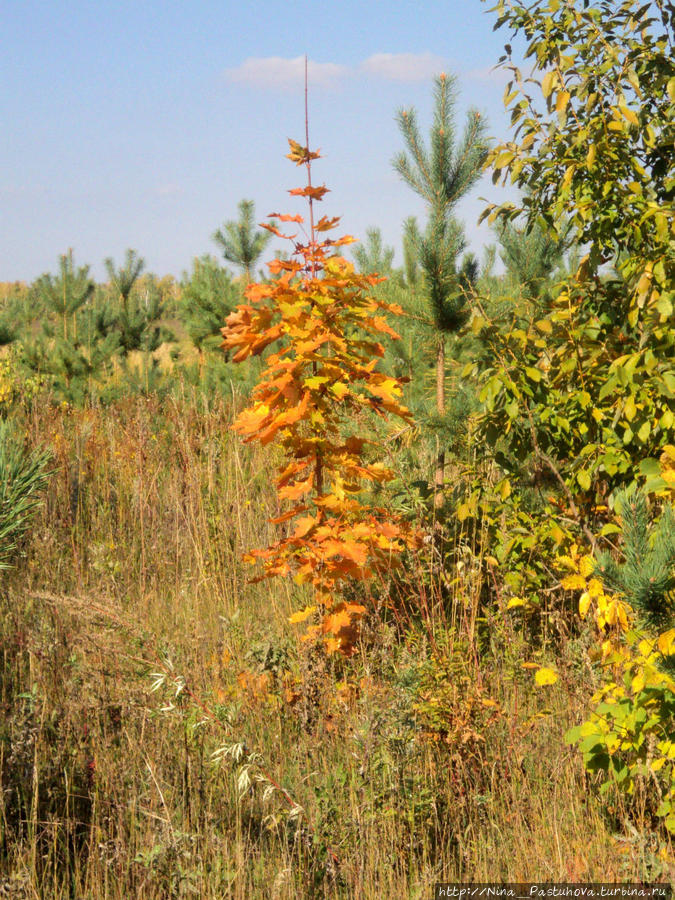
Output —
(504, 159)
(628, 114)
(547, 83)
(569, 173)
(463, 511)
(316, 381)
(584, 480)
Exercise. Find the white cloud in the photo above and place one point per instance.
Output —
(278, 72)
(403, 66)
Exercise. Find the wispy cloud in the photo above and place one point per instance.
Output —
(276, 72)
(403, 66)
(279, 73)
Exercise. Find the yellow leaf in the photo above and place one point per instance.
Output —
(584, 604)
(595, 588)
(574, 583)
(316, 381)
(628, 114)
(586, 566)
(503, 159)
(387, 388)
(622, 609)
(339, 389)
(557, 533)
(638, 682)
(561, 104)
(547, 83)
(463, 511)
(515, 601)
(666, 642)
(302, 615)
(567, 177)
(545, 677)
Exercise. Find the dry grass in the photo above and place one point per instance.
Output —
(411, 766)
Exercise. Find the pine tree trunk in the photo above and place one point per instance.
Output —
(440, 409)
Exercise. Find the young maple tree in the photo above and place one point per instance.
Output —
(321, 315)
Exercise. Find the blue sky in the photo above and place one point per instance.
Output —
(142, 124)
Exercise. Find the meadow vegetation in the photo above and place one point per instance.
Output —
(462, 665)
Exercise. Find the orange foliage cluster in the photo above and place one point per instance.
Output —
(324, 322)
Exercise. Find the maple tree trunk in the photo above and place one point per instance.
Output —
(440, 409)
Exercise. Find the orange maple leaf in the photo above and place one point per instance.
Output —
(314, 193)
(299, 154)
(286, 217)
(349, 549)
(277, 265)
(325, 224)
(296, 489)
(304, 526)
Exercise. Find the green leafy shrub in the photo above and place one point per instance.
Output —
(630, 734)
